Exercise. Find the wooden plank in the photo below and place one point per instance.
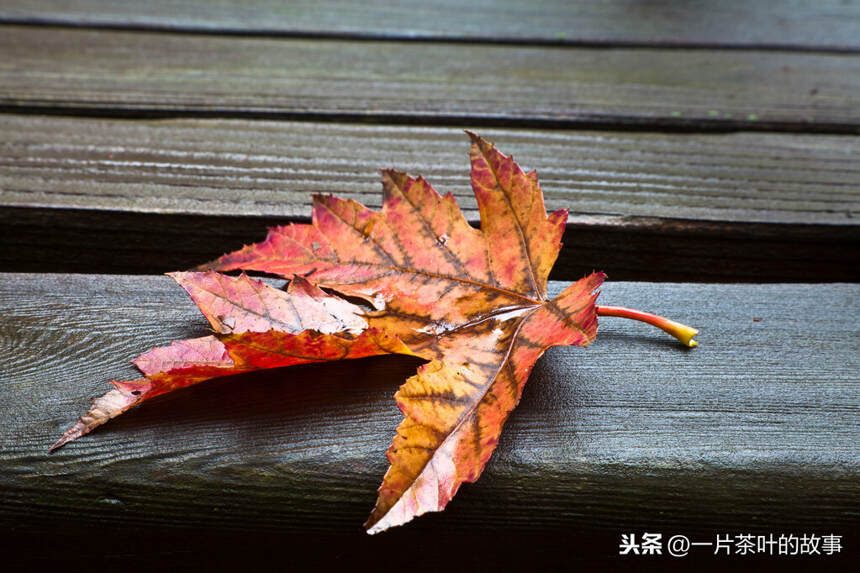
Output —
(824, 24)
(90, 72)
(755, 430)
(272, 168)
(90, 195)
(264, 168)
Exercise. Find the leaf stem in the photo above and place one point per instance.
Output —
(680, 331)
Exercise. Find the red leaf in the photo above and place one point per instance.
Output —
(456, 405)
(257, 327)
(471, 302)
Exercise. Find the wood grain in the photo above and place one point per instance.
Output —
(132, 73)
(783, 24)
(756, 431)
(97, 195)
(267, 168)
(758, 427)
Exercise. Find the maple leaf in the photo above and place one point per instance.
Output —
(256, 326)
(471, 302)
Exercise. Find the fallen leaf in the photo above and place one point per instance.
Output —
(471, 302)
(256, 326)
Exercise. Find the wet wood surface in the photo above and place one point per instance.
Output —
(757, 427)
(696, 144)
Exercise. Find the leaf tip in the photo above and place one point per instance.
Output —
(393, 182)
(178, 275)
(373, 530)
(559, 215)
(62, 441)
(378, 523)
(476, 139)
(108, 406)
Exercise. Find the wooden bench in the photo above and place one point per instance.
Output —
(709, 156)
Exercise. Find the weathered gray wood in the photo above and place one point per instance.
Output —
(823, 24)
(87, 195)
(85, 71)
(264, 168)
(757, 428)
